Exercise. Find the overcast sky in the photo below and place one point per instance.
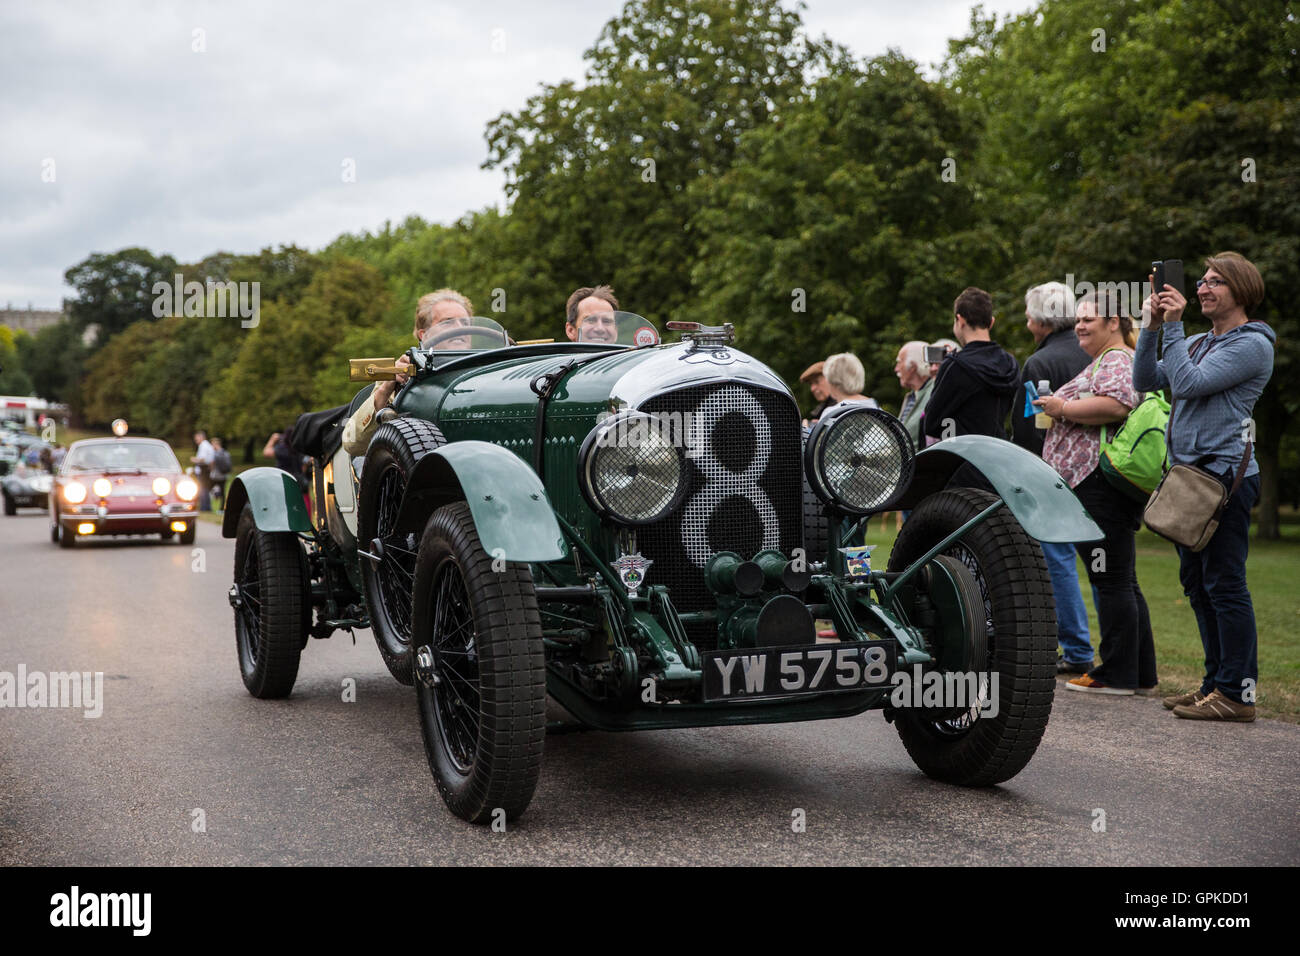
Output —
(115, 132)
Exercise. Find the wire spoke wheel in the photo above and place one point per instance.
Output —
(456, 697)
(996, 736)
(395, 451)
(397, 566)
(480, 676)
(271, 596)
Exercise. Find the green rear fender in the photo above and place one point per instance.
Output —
(1039, 497)
(276, 499)
(511, 510)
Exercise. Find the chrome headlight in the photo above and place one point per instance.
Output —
(186, 489)
(102, 487)
(74, 492)
(859, 459)
(631, 469)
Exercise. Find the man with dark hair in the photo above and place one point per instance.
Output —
(974, 388)
(589, 315)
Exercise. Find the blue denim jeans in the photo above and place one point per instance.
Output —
(1214, 580)
(1071, 615)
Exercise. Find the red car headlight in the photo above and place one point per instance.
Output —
(186, 489)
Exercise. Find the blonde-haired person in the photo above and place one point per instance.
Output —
(1103, 394)
(845, 377)
(443, 309)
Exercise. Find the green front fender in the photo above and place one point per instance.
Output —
(511, 510)
(276, 499)
(1039, 498)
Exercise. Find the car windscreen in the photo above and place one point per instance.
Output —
(127, 456)
(616, 328)
(464, 333)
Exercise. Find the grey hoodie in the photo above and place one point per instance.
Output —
(1214, 395)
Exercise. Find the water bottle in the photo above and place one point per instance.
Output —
(1042, 420)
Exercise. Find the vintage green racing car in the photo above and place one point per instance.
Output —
(644, 532)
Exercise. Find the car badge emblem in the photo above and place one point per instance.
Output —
(631, 570)
(857, 561)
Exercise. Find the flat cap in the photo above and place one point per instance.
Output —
(811, 372)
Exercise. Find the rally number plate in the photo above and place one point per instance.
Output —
(768, 672)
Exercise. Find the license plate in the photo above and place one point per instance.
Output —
(766, 672)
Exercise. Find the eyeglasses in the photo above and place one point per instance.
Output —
(1212, 283)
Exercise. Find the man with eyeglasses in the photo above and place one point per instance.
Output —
(1214, 380)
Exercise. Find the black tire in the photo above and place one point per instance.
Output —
(1012, 577)
(393, 454)
(67, 539)
(187, 536)
(54, 532)
(275, 607)
(816, 521)
(10, 507)
(479, 631)
(167, 535)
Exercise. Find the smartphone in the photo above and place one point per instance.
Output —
(1174, 274)
(934, 354)
(1167, 272)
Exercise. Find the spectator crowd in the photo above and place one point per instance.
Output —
(1089, 370)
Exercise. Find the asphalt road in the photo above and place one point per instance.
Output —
(318, 780)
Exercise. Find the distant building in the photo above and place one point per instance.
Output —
(30, 320)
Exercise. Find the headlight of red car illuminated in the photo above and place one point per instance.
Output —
(103, 487)
(74, 492)
(186, 488)
(161, 486)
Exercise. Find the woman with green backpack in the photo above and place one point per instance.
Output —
(1102, 395)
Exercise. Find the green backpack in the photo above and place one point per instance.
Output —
(1133, 458)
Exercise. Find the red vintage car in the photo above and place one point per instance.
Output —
(132, 486)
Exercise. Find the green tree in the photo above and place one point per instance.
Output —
(54, 358)
(841, 227)
(273, 378)
(600, 173)
(115, 289)
(14, 379)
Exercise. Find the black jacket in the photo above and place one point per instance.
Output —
(1058, 359)
(974, 388)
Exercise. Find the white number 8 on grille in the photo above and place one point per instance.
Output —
(720, 482)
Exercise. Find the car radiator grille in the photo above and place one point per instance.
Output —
(743, 487)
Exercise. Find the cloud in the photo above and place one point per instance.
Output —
(194, 127)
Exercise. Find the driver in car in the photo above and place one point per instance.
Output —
(435, 313)
(589, 315)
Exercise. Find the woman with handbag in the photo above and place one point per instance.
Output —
(1099, 395)
(1214, 380)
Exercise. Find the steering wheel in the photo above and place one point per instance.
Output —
(461, 330)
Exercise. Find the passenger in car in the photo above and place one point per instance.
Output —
(445, 307)
(589, 315)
